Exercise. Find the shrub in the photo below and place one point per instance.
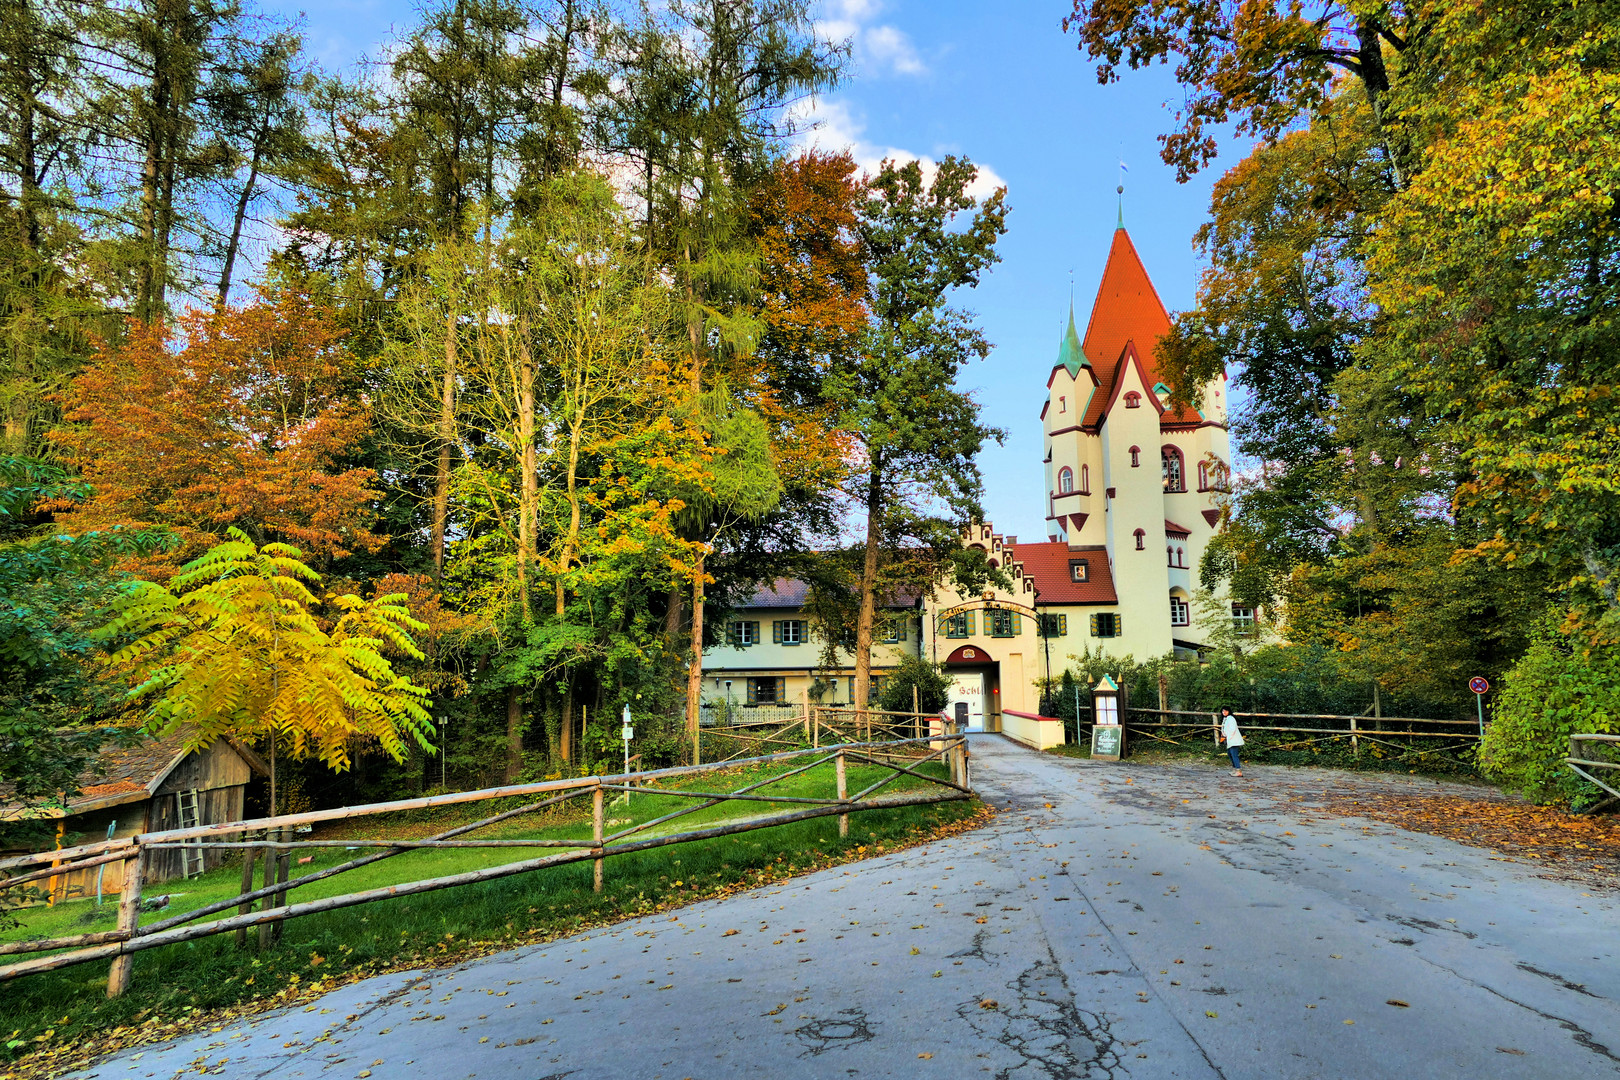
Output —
(1559, 687)
(930, 680)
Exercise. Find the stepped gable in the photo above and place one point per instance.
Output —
(1047, 562)
(1127, 311)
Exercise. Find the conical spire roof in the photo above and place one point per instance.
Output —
(1070, 353)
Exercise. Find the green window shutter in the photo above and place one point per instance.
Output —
(1063, 624)
(970, 623)
(776, 631)
(900, 630)
(781, 690)
(1119, 626)
(751, 698)
(731, 633)
(1096, 626)
(1017, 624)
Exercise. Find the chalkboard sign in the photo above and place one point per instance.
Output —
(1107, 741)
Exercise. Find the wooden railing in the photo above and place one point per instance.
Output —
(1379, 730)
(1599, 752)
(275, 838)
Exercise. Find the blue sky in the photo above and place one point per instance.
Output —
(1001, 84)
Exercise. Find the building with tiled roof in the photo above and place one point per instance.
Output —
(1133, 487)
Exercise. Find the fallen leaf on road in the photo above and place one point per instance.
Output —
(925, 1055)
(916, 951)
(1398, 1003)
(988, 1003)
(729, 933)
(1509, 1050)
(1349, 1021)
(1211, 1013)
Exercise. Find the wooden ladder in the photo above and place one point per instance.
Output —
(191, 854)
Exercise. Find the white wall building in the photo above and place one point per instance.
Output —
(1132, 496)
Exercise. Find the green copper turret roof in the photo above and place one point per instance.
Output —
(1069, 352)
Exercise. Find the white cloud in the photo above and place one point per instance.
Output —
(878, 47)
(832, 126)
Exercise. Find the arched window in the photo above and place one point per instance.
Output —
(1133, 400)
(1085, 479)
(1065, 480)
(1203, 476)
(1063, 404)
(1174, 475)
(1169, 555)
(1141, 540)
(1136, 457)
(1180, 611)
(1181, 558)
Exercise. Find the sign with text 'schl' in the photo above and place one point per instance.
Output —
(1107, 741)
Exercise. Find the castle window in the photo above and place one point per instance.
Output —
(1180, 613)
(1063, 404)
(1136, 457)
(1181, 558)
(1078, 570)
(1107, 624)
(1141, 540)
(1203, 476)
(1085, 479)
(1243, 620)
(1174, 474)
(1133, 400)
(1169, 556)
(1065, 480)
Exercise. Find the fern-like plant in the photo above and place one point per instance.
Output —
(232, 647)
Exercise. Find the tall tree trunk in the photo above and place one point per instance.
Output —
(529, 498)
(447, 435)
(694, 671)
(576, 435)
(514, 733)
(869, 573)
(565, 736)
(241, 215)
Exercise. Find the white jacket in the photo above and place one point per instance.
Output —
(1230, 732)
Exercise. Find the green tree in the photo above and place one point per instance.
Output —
(916, 437)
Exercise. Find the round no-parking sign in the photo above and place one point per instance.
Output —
(1478, 685)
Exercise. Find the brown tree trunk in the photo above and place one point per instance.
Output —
(565, 738)
(694, 670)
(514, 733)
(528, 507)
(447, 435)
(869, 572)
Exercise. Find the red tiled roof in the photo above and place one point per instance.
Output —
(781, 593)
(1127, 311)
(1048, 564)
(1172, 529)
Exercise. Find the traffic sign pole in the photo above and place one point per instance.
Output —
(1479, 686)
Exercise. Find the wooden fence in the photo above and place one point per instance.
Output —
(1601, 753)
(817, 726)
(1176, 725)
(275, 838)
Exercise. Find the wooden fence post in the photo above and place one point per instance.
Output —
(270, 861)
(129, 917)
(283, 874)
(843, 793)
(248, 855)
(596, 837)
(1355, 741)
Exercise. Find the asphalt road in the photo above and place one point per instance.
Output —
(1151, 922)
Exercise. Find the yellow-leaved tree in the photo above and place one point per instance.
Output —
(232, 646)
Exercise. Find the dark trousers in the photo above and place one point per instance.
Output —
(1232, 752)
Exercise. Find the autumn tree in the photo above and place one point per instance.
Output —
(242, 417)
(233, 646)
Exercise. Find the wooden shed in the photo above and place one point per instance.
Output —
(153, 785)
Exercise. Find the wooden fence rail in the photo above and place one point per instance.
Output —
(277, 842)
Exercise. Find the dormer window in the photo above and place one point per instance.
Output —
(1133, 400)
(1065, 480)
(1078, 570)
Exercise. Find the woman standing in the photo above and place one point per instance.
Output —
(1232, 737)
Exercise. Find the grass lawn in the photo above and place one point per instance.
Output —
(51, 1020)
(1267, 748)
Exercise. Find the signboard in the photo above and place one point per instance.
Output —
(1107, 742)
(627, 733)
(1478, 685)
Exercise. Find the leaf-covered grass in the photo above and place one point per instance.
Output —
(64, 1016)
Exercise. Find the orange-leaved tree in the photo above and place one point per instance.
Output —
(241, 417)
(233, 647)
